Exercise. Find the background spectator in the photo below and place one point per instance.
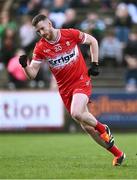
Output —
(27, 34)
(57, 14)
(30, 7)
(111, 49)
(130, 55)
(6, 22)
(132, 9)
(71, 21)
(94, 25)
(8, 46)
(17, 78)
(122, 23)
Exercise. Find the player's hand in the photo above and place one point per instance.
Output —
(23, 60)
(94, 69)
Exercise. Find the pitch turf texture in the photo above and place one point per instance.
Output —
(63, 156)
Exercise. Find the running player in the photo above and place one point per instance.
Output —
(59, 48)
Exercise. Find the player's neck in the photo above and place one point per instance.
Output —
(56, 36)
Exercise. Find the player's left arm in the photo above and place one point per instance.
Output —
(84, 38)
(94, 51)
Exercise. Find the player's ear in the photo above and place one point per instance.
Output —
(50, 24)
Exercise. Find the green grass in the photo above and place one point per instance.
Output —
(63, 156)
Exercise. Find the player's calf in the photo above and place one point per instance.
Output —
(107, 137)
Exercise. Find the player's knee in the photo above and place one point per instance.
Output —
(76, 115)
(91, 130)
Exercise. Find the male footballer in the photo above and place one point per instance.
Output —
(59, 48)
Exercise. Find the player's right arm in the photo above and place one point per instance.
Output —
(31, 70)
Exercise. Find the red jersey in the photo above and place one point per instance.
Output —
(64, 57)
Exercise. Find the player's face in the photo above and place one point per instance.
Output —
(45, 29)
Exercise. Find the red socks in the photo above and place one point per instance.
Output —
(100, 127)
(115, 151)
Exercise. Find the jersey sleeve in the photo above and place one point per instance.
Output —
(37, 56)
(78, 35)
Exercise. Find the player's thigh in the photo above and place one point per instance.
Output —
(79, 103)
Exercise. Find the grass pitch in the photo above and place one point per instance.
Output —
(63, 156)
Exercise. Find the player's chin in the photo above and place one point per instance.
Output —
(48, 38)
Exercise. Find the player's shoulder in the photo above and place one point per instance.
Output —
(40, 43)
(68, 31)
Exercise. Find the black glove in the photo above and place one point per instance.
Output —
(94, 69)
(23, 60)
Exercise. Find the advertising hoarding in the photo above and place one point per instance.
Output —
(31, 109)
(118, 110)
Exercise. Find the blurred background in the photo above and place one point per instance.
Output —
(36, 105)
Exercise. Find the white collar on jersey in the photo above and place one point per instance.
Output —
(57, 38)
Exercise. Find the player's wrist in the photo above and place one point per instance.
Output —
(95, 63)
